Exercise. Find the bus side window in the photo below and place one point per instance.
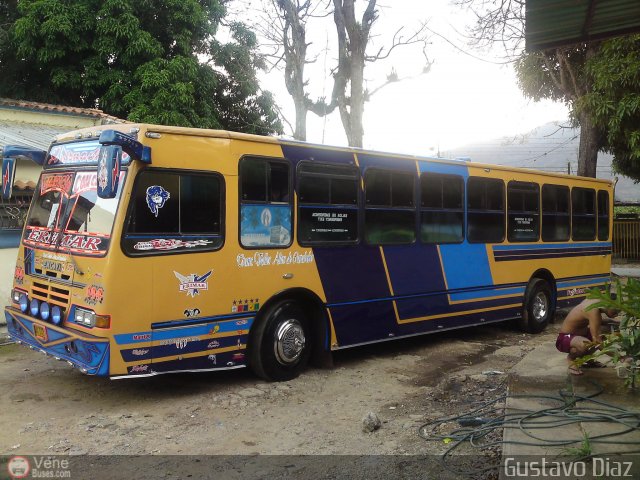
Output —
(328, 204)
(523, 206)
(265, 203)
(390, 208)
(442, 208)
(583, 213)
(555, 213)
(603, 215)
(174, 212)
(485, 210)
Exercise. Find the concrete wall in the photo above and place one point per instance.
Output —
(58, 119)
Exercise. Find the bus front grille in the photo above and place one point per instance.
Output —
(52, 274)
(49, 293)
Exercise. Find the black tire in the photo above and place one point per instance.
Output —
(539, 306)
(280, 343)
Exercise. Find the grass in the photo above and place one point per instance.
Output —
(584, 450)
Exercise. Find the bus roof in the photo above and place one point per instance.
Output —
(131, 128)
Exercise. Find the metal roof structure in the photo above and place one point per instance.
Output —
(29, 134)
(555, 23)
(49, 118)
(59, 109)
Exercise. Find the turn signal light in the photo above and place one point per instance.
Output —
(103, 321)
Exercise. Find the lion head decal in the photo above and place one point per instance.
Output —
(156, 198)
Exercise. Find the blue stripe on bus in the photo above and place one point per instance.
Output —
(480, 290)
(584, 253)
(581, 282)
(478, 295)
(544, 246)
(182, 330)
(199, 320)
(541, 252)
(585, 277)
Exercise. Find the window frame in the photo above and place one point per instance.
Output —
(290, 203)
(555, 214)
(131, 206)
(594, 215)
(598, 216)
(537, 213)
(11, 223)
(468, 210)
(357, 206)
(390, 207)
(422, 209)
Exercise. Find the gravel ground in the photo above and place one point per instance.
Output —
(50, 408)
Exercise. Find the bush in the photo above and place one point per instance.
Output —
(623, 346)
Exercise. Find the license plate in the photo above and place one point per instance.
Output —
(41, 332)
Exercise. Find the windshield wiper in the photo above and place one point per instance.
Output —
(58, 243)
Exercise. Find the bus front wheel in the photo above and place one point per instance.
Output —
(280, 344)
(539, 306)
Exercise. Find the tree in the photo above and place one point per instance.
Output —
(615, 101)
(138, 60)
(285, 28)
(559, 74)
(287, 32)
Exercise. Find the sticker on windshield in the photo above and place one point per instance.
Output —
(156, 198)
(60, 182)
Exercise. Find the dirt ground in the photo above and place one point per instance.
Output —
(49, 408)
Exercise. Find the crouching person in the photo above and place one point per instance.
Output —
(581, 333)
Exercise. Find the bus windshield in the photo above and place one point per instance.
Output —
(67, 214)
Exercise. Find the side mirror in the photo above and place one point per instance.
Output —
(109, 165)
(8, 176)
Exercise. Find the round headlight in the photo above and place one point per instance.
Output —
(56, 315)
(34, 307)
(24, 302)
(45, 310)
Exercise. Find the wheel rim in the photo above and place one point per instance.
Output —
(289, 342)
(540, 307)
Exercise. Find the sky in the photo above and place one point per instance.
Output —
(467, 96)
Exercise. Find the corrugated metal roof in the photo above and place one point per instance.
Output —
(554, 23)
(28, 134)
(63, 109)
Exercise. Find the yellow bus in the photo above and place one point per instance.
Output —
(153, 249)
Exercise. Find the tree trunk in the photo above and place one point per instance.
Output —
(301, 119)
(357, 100)
(295, 54)
(590, 141)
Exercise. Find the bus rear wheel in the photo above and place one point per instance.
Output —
(539, 306)
(280, 344)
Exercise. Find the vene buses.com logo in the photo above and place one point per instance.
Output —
(18, 467)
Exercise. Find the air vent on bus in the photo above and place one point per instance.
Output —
(52, 274)
(48, 293)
